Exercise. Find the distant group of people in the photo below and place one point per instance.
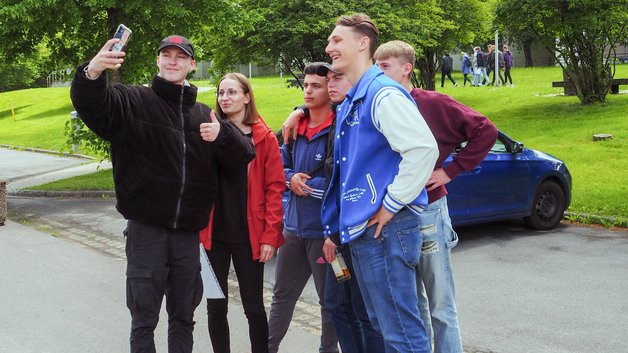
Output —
(479, 66)
(185, 174)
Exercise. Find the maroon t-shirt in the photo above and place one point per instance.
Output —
(453, 123)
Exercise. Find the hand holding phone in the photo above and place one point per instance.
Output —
(124, 34)
(110, 55)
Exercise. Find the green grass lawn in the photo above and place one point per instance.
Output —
(531, 112)
(101, 180)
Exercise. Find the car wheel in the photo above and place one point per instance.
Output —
(548, 207)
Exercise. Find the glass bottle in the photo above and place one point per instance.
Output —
(340, 268)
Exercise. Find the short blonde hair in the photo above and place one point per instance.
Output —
(396, 49)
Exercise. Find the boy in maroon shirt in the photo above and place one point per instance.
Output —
(451, 123)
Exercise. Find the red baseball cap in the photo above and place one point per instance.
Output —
(179, 42)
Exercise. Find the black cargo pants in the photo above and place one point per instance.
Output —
(162, 261)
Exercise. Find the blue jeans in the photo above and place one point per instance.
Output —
(484, 75)
(436, 276)
(346, 308)
(386, 271)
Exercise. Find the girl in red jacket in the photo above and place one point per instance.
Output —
(245, 223)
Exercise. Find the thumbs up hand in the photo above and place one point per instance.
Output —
(209, 131)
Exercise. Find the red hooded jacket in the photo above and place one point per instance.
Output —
(266, 184)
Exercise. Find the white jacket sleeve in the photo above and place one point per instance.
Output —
(401, 123)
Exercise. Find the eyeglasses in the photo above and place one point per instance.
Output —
(231, 93)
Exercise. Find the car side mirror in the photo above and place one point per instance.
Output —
(516, 147)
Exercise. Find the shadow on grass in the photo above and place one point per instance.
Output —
(7, 113)
(64, 110)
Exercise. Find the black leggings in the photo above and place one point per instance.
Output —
(507, 75)
(251, 281)
(466, 79)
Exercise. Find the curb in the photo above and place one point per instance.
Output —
(587, 218)
(63, 194)
(41, 150)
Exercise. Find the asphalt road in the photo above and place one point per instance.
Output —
(564, 290)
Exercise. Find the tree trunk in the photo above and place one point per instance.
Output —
(427, 70)
(288, 67)
(527, 52)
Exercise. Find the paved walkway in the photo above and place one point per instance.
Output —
(560, 291)
(65, 293)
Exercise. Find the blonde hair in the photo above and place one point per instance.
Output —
(251, 116)
(401, 50)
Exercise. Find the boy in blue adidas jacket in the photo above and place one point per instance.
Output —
(301, 256)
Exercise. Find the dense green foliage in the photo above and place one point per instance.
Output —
(293, 33)
(74, 31)
(581, 34)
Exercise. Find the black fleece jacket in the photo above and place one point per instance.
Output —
(164, 173)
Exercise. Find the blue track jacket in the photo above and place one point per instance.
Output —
(302, 214)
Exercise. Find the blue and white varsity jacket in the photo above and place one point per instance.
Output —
(302, 214)
(384, 154)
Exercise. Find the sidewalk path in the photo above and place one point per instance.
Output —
(22, 169)
(60, 296)
(65, 293)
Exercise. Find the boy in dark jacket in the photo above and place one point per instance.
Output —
(165, 180)
(446, 66)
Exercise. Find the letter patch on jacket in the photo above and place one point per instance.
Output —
(353, 118)
(353, 195)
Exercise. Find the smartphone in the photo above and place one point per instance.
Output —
(124, 34)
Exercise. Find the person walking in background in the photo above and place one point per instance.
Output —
(446, 66)
(480, 62)
(165, 179)
(302, 254)
(508, 63)
(377, 187)
(467, 68)
(491, 64)
(451, 123)
(245, 223)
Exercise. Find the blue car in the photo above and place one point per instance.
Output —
(511, 182)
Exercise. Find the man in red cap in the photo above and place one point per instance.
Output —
(165, 180)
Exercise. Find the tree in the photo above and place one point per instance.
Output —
(294, 32)
(451, 24)
(75, 30)
(289, 32)
(18, 71)
(580, 34)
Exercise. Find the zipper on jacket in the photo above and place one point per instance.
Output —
(183, 160)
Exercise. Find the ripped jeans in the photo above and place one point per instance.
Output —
(435, 279)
